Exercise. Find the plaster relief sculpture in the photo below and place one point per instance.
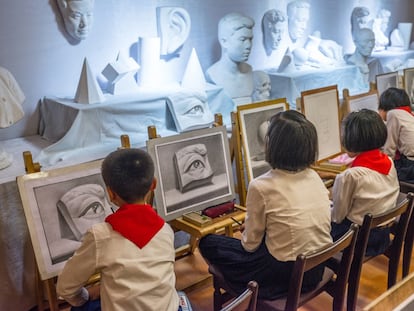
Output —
(11, 110)
(77, 16)
(174, 25)
(364, 41)
(273, 27)
(235, 34)
(262, 86)
(311, 50)
(379, 27)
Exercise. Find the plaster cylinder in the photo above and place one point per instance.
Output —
(150, 61)
(405, 29)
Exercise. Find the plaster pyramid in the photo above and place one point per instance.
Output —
(89, 91)
(193, 78)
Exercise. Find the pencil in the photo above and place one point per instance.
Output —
(236, 221)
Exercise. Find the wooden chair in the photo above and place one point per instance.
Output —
(409, 236)
(335, 285)
(246, 301)
(403, 211)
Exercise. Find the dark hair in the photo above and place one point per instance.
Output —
(292, 141)
(393, 97)
(363, 130)
(129, 173)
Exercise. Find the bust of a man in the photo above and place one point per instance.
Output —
(360, 18)
(77, 16)
(273, 27)
(235, 34)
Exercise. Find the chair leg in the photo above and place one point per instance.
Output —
(408, 249)
(353, 286)
(392, 271)
(217, 299)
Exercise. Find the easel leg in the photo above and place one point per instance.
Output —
(51, 294)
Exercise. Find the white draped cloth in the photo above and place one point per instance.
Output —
(11, 99)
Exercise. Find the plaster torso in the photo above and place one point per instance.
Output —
(11, 99)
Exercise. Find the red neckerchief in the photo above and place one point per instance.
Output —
(374, 160)
(405, 108)
(136, 222)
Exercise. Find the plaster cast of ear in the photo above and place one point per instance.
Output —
(174, 25)
(77, 16)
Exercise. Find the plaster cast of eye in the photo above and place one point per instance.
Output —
(174, 25)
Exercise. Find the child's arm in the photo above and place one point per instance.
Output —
(393, 130)
(78, 269)
(342, 193)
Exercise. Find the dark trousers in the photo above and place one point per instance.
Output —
(239, 267)
(378, 239)
(91, 305)
(405, 169)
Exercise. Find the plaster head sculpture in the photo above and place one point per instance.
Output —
(262, 86)
(235, 34)
(273, 27)
(364, 41)
(174, 24)
(77, 16)
(298, 13)
(360, 18)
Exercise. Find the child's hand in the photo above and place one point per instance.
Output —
(94, 292)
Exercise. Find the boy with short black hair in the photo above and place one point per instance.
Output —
(395, 108)
(133, 250)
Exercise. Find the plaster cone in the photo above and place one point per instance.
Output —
(193, 78)
(89, 91)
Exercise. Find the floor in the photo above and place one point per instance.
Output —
(193, 277)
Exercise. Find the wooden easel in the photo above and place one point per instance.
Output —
(41, 285)
(237, 154)
(49, 284)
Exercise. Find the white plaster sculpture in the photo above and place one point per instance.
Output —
(405, 30)
(11, 110)
(380, 27)
(273, 28)
(311, 50)
(120, 75)
(88, 91)
(77, 16)
(149, 61)
(360, 19)
(364, 41)
(174, 25)
(298, 14)
(262, 86)
(397, 40)
(193, 78)
(235, 34)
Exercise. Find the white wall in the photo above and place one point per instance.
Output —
(36, 49)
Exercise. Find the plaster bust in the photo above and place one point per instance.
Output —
(174, 24)
(360, 18)
(273, 27)
(77, 16)
(298, 13)
(364, 41)
(235, 34)
(262, 86)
